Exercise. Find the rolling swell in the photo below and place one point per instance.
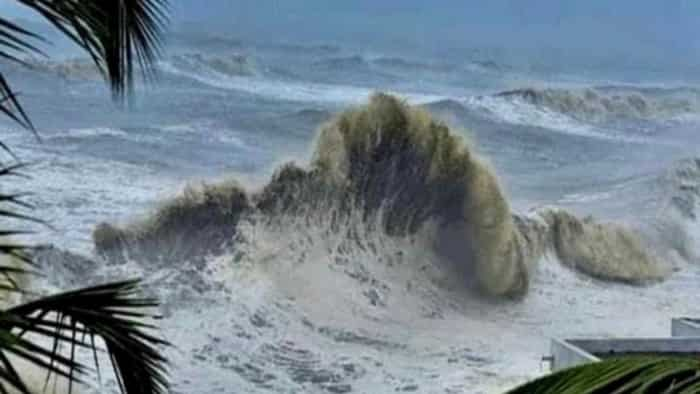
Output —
(85, 69)
(599, 104)
(228, 65)
(403, 174)
(343, 63)
(71, 69)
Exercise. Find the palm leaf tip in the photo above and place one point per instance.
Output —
(111, 312)
(139, 26)
(119, 35)
(628, 375)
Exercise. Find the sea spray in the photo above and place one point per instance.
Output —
(199, 222)
(675, 224)
(407, 175)
(397, 157)
(602, 250)
(16, 275)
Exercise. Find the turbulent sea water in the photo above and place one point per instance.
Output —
(335, 277)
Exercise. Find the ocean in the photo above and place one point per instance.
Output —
(353, 270)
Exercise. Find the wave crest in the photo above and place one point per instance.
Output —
(199, 222)
(608, 103)
(602, 250)
(228, 65)
(406, 175)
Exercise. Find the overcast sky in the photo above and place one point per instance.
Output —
(653, 23)
(659, 28)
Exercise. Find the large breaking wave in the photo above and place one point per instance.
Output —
(390, 168)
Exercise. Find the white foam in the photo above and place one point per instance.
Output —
(210, 131)
(585, 197)
(91, 132)
(296, 277)
(184, 128)
(87, 189)
(518, 112)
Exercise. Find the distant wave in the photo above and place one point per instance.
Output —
(71, 69)
(410, 65)
(308, 116)
(343, 63)
(454, 112)
(272, 88)
(322, 49)
(446, 105)
(194, 63)
(516, 111)
(228, 65)
(356, 67)
(399, 62)
(394, 169)
(400, 65)
(600, 104)
(206, 40)
(604, 112)
(282, 89)
(489, 65)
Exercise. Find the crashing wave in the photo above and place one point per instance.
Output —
(684, 179)
(676, 222)
(189, 227)
(403, 174)
(609, 103)
(602, 250)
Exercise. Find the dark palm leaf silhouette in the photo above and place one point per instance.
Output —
(121, 36)
(109, 312)
(627, 375)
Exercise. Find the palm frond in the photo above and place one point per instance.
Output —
(18, 260)
(10, 106)
(110, 312)
(15, 37)
(627, 375)
(117, 34)
(15, 42)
